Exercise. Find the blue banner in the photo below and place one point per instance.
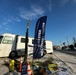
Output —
(24, 68)
(39, 38)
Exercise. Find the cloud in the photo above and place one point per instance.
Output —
(74, 1)
(15, 19)
(46, 5)
(7, 22)
(32, 13)
(10, 19)
(63, 2)
(50, 5)
(7, 29)
(0, 26)
(4, 28)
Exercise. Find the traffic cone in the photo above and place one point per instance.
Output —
(29, 72)
(20, 65)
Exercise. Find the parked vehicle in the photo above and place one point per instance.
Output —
(14, 45)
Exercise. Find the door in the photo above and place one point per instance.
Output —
(1, 51)
(6, 46)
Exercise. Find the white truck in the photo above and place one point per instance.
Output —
(14, 45)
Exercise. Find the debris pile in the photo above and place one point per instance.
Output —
(48, 67)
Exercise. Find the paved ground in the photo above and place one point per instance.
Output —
(4, 70)
(71, 52)
(70, 60)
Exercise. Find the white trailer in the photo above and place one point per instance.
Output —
(49, 46)
(14, 45)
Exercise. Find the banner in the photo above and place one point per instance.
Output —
(39, 38)
(24, 68)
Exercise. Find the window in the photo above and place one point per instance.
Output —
(22, 40)
(7, 40)
(1, 38)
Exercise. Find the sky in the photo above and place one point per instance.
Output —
(61, 18)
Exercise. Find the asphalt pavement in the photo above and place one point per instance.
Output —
(68, 58)
(68, 51)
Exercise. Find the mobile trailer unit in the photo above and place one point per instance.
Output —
(14, 45)
(49, 46)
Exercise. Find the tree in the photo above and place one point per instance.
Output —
(74, 44)
(74, 41)
(71, 47)
(64, 43)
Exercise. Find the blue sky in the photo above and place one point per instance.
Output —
(61, 18)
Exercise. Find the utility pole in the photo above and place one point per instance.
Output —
(25, 62)
(60, 43)
(26, 40)
(67, 41)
